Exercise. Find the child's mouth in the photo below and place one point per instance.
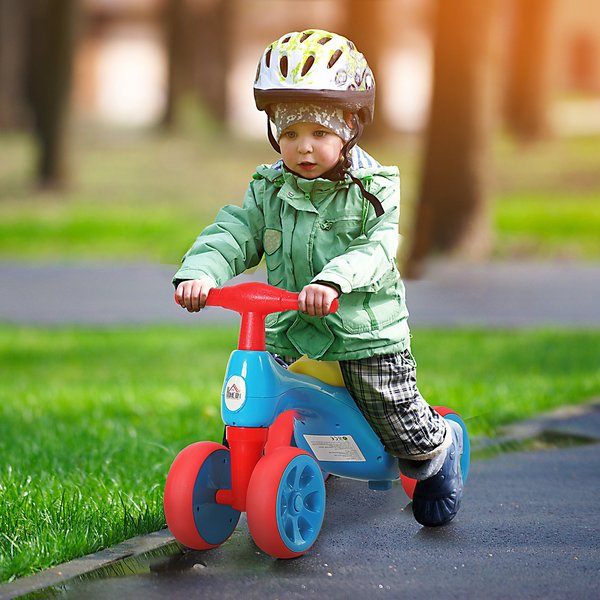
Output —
(307, 165)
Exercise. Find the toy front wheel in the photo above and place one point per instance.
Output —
(285, 504)
(191, 510)
(409, 484)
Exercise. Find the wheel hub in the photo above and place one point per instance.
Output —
(297, 503)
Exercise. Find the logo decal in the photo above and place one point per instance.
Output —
(235, 392)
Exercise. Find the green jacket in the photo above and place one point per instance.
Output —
(315, 230)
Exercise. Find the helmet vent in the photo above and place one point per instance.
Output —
(283, 65)
(334, 58)
(268, 57)
(305, 36)
(286, 40)
(324, 40)
(307, 65)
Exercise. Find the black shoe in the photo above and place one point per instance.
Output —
(436, 500)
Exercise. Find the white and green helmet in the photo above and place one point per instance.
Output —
(315, 66)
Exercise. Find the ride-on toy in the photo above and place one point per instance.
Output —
(286, 430)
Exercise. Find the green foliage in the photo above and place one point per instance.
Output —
(550, 225)
(146, 196)
(547, 199)
(90, 419)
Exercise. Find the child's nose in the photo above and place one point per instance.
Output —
(305, 145)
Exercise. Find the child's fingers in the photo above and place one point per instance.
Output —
(191, 301)
(193, 294)
(306, 301)
(179, 292)
(302, 300)
(189, 298)
(316, 300)
(310, 302)
(205, 287)
(319, 304)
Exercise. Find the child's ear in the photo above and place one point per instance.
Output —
(348, 119)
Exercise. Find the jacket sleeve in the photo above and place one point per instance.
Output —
(370, 258)
(227, 247)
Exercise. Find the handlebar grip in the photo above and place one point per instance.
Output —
(256, 297)
(253, 297)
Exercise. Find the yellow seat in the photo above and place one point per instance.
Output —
(324, 370)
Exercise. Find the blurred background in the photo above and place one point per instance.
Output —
(126, 124)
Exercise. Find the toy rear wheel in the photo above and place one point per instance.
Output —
(285, 504)
(409, 484)
(191, 510)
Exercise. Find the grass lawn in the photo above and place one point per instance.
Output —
(146, 196)
(90, 419)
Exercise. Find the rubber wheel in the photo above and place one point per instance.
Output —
(409, 484)
(285, 504)
(193, 516)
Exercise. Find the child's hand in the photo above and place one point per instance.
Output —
(315, 299)
(192, 294)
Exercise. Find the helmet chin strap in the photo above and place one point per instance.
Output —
(343, 167)
(271, 137)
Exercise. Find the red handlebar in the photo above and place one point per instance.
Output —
(254, 301)
(253, 297)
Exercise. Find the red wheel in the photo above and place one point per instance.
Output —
(285, 504)
(409, 484)
(191, 510)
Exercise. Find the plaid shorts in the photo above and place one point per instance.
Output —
(385, 390)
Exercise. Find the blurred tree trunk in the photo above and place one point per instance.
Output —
(12, 64)
(363, 24)
(198, 43)
(52, 46)
(452, 215)
(528, 84)
(214, 56)
(178, 58)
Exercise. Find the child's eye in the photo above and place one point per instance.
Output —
(290, 134)
(320, 133)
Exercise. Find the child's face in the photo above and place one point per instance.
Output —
(310, 149)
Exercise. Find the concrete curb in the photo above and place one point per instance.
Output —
(87, 564)
(578, 424)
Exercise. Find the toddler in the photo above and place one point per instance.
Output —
(325, 219)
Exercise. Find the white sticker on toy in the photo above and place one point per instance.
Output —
(235, 393)
(335, 448)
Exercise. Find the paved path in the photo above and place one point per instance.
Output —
(495, 294)
(529, 528)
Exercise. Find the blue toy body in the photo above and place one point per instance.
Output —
(327, 422)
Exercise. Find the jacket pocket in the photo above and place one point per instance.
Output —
(310, 336)
(362, 312)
